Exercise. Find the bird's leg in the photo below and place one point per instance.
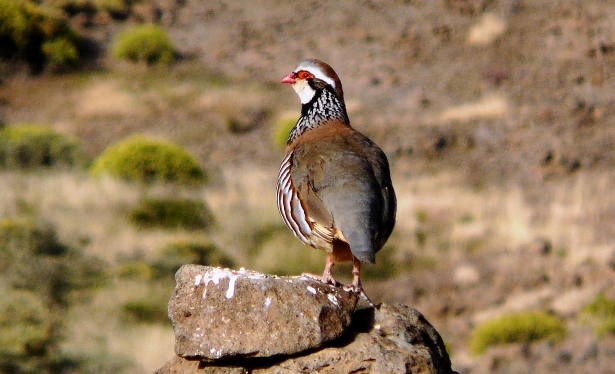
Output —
(327, 277)
(355, 286)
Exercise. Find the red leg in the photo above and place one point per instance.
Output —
(356, 280)
(327, 277)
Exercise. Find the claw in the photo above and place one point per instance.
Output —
(356, 286)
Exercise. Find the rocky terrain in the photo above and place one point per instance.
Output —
(292, 325)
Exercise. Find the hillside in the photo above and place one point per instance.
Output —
(497, 118)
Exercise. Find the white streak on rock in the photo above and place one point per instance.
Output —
(231, 286)
(215, 275)
(311, 289)
(333, 299)
(267, 302)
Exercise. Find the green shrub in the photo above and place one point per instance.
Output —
(87, 360)
(34, 259)
(69, 5)
(26, 328)
(517, 327)
(606, 326)
(602, 308)
(18, 236)
(146, 310)
(197, 252)
(171, 213)
(37, 33)
(28, 146)
(147, 160)
(61, 51)
(14, 26)
(135, 268)
(111, 6)
(40, 278)
(148, 42)
(116, 8)
(281, 130)
(181, 252)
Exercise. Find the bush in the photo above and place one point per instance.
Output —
(181, 252)
(147, 160)
(172, 213)
(34, 259)
(28, 146)
(196, 252)
(27, 334)
(40, 278)
(19, 236)
(61, 51)
(146, 311)
(148, 42)
(517, 327)
(603, 308)
(281, 130)
(37, 34)
(135, 268)
(114, 7)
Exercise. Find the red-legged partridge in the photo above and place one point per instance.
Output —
(334, 187)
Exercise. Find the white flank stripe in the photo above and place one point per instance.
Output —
(290, 220)
(300, 216)
(289, 205)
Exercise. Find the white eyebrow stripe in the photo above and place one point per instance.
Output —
(318, 74)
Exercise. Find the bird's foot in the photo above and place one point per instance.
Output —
(328, 279)
(321, 278)
(311, 276)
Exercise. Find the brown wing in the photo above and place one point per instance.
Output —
(349, 177)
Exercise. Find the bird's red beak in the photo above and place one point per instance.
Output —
(290, 78)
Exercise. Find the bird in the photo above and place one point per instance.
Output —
(334, 188)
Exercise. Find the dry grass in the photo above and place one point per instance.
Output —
(108, 97)
(147, 346)
(498, 217)
(490, 106)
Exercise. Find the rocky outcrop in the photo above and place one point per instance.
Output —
(221, 313)
(228, 321)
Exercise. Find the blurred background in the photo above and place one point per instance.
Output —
(140, 135)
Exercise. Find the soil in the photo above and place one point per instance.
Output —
(502, 93)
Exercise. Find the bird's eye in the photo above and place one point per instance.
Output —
(304, 75)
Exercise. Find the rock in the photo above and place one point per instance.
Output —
(387, 339)
(222, 313)
(228, 321)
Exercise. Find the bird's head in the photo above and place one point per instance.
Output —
(312, 75)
